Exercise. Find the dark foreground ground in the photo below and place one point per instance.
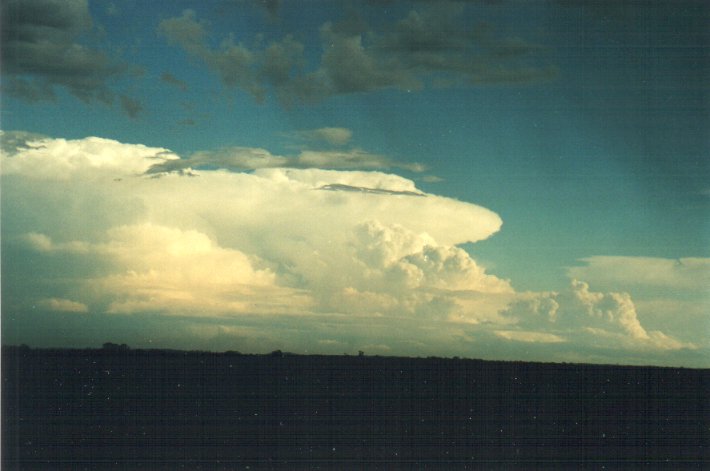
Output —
(149, 409)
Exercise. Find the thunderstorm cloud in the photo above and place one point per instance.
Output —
(343, 254)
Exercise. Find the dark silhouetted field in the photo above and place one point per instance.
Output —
(149, 409)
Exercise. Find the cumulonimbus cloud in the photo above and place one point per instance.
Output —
(318, 245)
(226, 242)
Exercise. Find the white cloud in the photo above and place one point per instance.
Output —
(588, 317)
(329, 135)
(607, 310)
(171, 271)
(177, 272)
(351, 256)
(39, 242)
(682, 317)
(530, 337)
(93, 157)
(43, 243)
(690, 273)
(376, 348)
(671, 295)
(273, 241)
(391, 270)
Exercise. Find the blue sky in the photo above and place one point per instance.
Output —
(582, 127)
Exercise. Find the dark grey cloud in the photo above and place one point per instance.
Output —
(436, 41)
(360, 189)
(614, 9)
(324, 148)
(13, 141)
(271, 6)
(131, 106)
(41, 50)
(32, 91)
(432, 44)
(231, 61)
(350, 66)
(250, 158)
(174, 81)
(231, 158)
(281, 61)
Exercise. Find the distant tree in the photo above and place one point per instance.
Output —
(277, 353)
(360, 353)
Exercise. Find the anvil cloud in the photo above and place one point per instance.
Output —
(327, 247)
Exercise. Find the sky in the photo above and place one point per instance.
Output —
(485, 179)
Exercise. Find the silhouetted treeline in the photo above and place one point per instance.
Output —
(122, 408)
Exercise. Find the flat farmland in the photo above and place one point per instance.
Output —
(157, 409)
